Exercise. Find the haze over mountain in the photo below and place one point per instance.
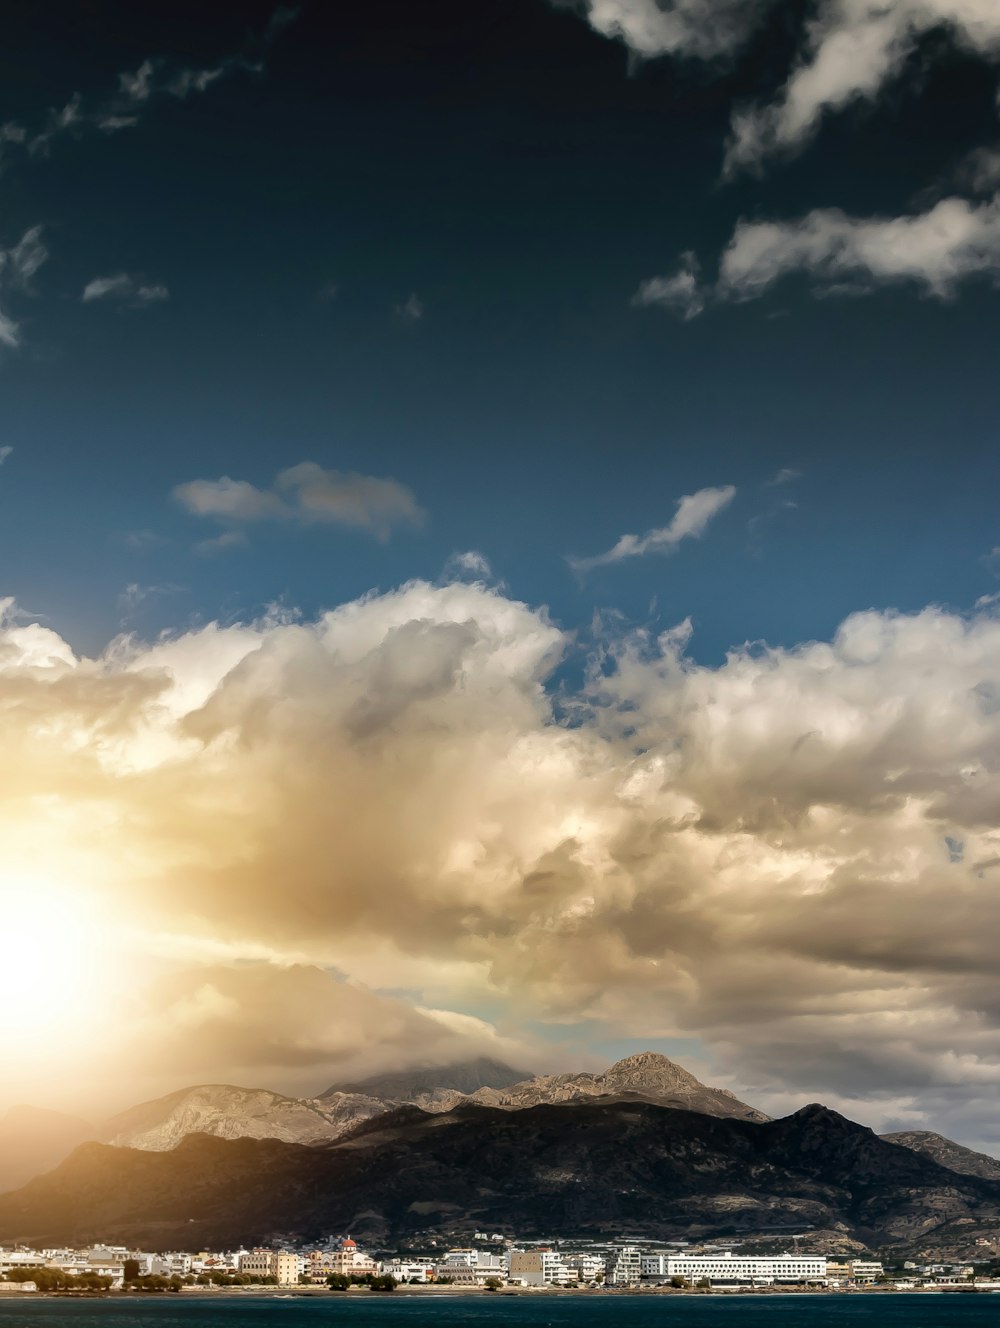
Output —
(589, 1167)
(32, 1140)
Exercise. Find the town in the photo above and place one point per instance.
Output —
(492, 1263)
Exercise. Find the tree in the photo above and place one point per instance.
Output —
(704, 1284)
(131, 1269)
(493, 1284)
(678, 1283)
(338, 1282)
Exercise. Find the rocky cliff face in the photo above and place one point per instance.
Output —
(585, 1168)
(949, 1154)
(236, 1113)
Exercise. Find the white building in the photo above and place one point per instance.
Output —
(405, 1271)
(734, 1268)
(624, 1266)
(587, 1267)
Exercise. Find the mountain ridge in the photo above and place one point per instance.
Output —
(615, 1167)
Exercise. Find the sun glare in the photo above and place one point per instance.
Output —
(56, 963)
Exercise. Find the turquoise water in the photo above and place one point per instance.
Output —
(837, 1311)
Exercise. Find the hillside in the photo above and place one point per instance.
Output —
(597, 1166)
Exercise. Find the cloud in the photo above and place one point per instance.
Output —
(308, 494)
(694, 512)
(853, 48)
(704, 29)
(137, 91)
(953, 241)
(397, 792)
(681, 292)
(5, 453)
(229, 539)
(786, 475)
(18, 266)
(126, 289)
(469, 564)
(411, 310)
(935, 250)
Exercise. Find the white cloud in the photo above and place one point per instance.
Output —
(137, 91)
(786, 475)
(935, 251)
(694, 512)
(469, 564)
(127, 289)
(411, 310)
(705, 29)
(5, 453)
(17, 267)
(853, 49)
(309, 494)
(681, 292)
(755, 853)
(229, 539)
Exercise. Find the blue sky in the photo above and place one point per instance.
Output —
(515, 485)
(521, 179)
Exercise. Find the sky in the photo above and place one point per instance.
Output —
(499, 527)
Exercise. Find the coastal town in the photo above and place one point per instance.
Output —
(491, 1263)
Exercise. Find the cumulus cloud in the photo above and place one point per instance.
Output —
(853, 48)
(935, 251)
(309, 494)
(694, 512)
(704, 29)
(126, 289)
(757, 853)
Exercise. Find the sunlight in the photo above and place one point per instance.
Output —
(56, 965)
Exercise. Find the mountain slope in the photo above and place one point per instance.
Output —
(618, 1167)
(947, 1153)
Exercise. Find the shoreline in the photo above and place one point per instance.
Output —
(451, 1292)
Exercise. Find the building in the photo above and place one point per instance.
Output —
(287, 1268)
(696, 1268)
(539, 1268)
(586, 1267)
(256, 1263)
(349, 1261)
(865, 1270)
(624, 1266)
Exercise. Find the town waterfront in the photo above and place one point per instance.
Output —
(864, 1310)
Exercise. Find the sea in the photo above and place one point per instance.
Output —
(878, 1310)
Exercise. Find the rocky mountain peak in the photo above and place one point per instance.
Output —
(648, 1069)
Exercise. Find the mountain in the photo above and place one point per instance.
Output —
(463, 1077)
(228, 1112)
(949, 1154)
(33, 1140)
(647, 1075)
(590, 1167)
